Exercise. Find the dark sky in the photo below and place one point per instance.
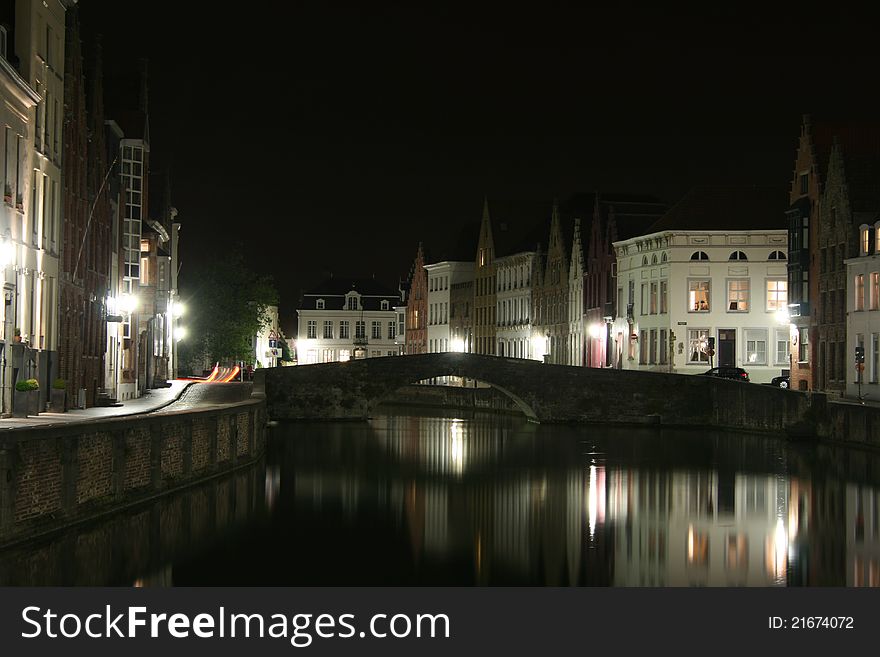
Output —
(334, 136)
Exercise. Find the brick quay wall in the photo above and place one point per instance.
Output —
(54, 476)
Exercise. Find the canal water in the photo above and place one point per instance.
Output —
(431, 498)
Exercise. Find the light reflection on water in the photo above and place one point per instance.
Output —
(411, 499)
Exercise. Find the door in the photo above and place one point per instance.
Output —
(727, 347)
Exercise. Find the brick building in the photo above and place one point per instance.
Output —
(850, 198)
(550, 290)
(86, 227)
(417, 306)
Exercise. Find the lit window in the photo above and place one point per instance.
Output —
(875, 290)
(698, 344)
(756, 346)
(803, 345)
(698, 296)
(860, 292)
(664, 296)
(777, 295)
(738, 296)
(865, 241)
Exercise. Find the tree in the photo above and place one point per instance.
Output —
(228, 309)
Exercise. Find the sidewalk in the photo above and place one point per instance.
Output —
(153, 400)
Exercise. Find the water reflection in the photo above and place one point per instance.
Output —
(486, 499)
(501, 502)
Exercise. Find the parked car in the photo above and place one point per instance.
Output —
(781, 381)
(734, 373)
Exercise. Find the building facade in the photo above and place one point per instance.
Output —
(513, 311)
(17, 111)
(689, 284)
(550, 295)
(461, 315)
(417, 306)
(441, 277)
(614, 217)
(484, 287)
(850, 198)
(345, 319)
(863, 315)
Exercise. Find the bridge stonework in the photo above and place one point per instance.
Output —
(545, 393)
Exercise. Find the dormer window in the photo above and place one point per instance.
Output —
(776, 255)
(737, 255)
(384, 304)
(699, 255)
(352, 301)
(319, 304)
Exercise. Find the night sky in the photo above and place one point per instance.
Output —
(334, 136)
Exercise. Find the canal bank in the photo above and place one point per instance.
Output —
(54, 476)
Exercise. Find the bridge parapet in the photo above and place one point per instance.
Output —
(545, 393)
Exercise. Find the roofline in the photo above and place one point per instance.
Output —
(745, 231)
(23, 90)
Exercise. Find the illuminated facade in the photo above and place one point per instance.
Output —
(678, 288)
(513, 326)
(550, 293)
(442, 276)
(863, 315)
(346, 319)
(31, 223)
(417, 307)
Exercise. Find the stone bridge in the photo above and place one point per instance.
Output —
(545, 393)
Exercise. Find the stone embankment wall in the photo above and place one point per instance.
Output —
(54, 476)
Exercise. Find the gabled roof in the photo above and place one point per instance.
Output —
(861, 171)
(727, 208)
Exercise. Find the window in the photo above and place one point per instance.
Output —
(738, 296)
(877, 237)
(776, 255)
(865, 241)
(360, 329)
(643, 347)
(343, 329)
(644, 299)
(698, 296)
(664, 297)
(698, 343)
(805, 183)
(328, 330)
(384, 305)
(737, 255)
(777, 295)
(663, 347)
(653, 298)
(860, 292)
(875, 291)
(654, 259)
(699, 255)
(664, 258)
(652, 356)
(644, 261)
(803, 344)
(145, 262)
(313, 329)
(392, 330)
(756, 346)
(319, 304)
(352, 302)
(782, 355)
(376, 330)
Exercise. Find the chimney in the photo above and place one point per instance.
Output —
(143, 97)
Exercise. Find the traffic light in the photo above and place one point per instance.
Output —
(860, 354)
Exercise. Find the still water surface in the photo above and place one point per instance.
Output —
(416, 498)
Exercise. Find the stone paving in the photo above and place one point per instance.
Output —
(150, 402)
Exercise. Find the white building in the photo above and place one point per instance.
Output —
(343, 319)
(682, 288)
(441, 276)
(513, 313)
(400, 339)
(863, 314)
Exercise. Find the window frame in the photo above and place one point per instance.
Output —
(708, 281)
